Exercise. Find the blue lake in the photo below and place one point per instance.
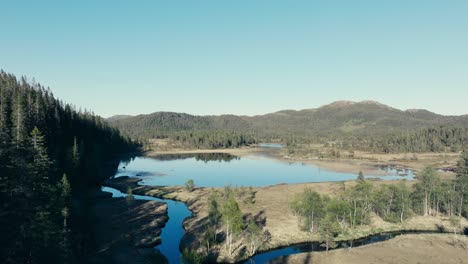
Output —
(217, 170)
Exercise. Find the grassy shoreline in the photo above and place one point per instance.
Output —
(366, 162)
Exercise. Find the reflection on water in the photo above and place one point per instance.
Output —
(270, 145)
(211, 170)
(396, 171)
(198, 156)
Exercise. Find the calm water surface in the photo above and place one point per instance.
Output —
(220, 170)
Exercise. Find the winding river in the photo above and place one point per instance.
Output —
(173, 231)
(218, 170)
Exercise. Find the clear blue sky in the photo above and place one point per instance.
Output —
(241, 57)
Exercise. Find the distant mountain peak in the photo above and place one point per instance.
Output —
(372, 102)
(340, 103)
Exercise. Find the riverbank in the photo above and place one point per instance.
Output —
(367, 162)
(127, 232)
(166, 146)
(273, 210)
(414, 248)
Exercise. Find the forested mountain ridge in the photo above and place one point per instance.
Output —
(335, 120)
(158, 123)
(50, 154)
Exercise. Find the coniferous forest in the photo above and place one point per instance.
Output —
(359, 126)
(435, 139)
(50, 153)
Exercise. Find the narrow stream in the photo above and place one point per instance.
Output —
(173, 231)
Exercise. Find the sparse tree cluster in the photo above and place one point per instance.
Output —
(432, 196)
(228, 229)
(393, 202)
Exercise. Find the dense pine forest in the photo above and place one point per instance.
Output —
(191, 131)
(49, 154)
(213, 139)
(434, 139)
(437, 139)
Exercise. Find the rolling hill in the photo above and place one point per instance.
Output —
(341, 118)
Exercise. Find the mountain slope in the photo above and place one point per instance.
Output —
(340, 118)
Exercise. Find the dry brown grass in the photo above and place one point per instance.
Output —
(368, 162)
(421, 248)
(273, 203)
(309, 150)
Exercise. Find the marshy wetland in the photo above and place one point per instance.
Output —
(275, 183)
